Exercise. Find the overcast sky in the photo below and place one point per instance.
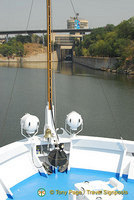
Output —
(14, 13)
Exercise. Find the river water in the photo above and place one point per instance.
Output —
(104, 100)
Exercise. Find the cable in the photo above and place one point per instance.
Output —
(53, 72)
(111, 111)
(38, 167)
(73, 7)
(6, 114)
(29, 14)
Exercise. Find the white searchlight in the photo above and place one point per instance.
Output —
(75, 123)
(29, 124)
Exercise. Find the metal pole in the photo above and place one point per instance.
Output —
(43, 39)
(6, 38)
(49, 54)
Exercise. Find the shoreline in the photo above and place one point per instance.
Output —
(28, 64)
(40, 57)
(102, 63)
(36, 61)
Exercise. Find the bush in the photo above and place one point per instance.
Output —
(110, 41)
(12, 48)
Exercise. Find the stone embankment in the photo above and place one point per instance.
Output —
(100, 63)
(41, 57)
(104, 64)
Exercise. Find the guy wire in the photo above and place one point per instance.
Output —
(53, 71)
(29, 14)
(6, 114)
(117, 127)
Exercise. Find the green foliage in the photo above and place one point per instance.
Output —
(6, 50)
(35, 38)
(110, 41)
(87, 41)
(85, 52)
(45, 39)
(126, 29)
(23, 39)
(78, 51)
(13, 47)
(120, 47)
(93, 44)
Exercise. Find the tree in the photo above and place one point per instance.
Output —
(110, 41)
(35, 38)
(109, 27)
(87, 41)
(120, 45)
(126, 29)
(12, 47)
(6, 50)
(23, 39)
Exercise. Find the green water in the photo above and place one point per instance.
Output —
(105, 100)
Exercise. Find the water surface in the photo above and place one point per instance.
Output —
(105, 100)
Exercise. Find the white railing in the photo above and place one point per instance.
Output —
(6, 189)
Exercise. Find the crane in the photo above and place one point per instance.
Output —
(76, 14)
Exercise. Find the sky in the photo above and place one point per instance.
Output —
(14, 13)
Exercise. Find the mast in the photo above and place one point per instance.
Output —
(49, 55)
(49, 126)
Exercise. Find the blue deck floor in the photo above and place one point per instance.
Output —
(27, 189)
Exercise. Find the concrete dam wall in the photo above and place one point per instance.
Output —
(100, 63)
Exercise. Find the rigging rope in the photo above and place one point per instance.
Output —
(53, 71)
(118, 129)
(29, 14)
(73, 6)
(6, 114)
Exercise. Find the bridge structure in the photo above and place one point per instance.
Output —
(65, 44)
(63, 40)
(14, 32)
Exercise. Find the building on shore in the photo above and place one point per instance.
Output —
(76, 23)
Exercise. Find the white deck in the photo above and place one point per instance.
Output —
(87, 152)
